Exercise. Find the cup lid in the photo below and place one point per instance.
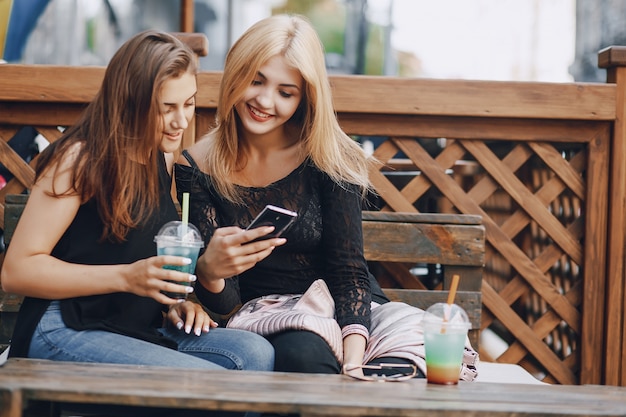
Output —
(176, 231)
(451, 313)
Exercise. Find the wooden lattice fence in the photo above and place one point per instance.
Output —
(542, 163)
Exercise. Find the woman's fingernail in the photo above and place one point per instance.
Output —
(192, 278)
(188, 329)
(179, 325)
(198, 331)
(189, 289)
(186, 261)
(206, 328)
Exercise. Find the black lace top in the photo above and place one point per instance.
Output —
(325, 241)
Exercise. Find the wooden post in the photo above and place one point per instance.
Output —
(186, 16)
(613, 59)
(12, 402)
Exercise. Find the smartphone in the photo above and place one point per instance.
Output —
(278, 217)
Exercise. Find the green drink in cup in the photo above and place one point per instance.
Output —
(445, 331)
(180, 238)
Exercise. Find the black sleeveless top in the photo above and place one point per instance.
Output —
(122, 313)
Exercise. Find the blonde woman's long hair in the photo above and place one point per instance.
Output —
(327, 146)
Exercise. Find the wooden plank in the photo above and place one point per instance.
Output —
(401, 274)
(470, 300)
(471, 277)
(10, 303)
(612, 56)
(594, 285)
(15, 164)
(204, 121)
(186, 15)
(9, 306)
(198, 42)
(462, 98)
(430, 218)
(417, 242)
(579, 101)
(13, 206)
(485, 128)
(561, 167)
(615, 363)
(49, 83)
(11, 403)
(208, 95)
(29, 113)
(390, 194)
(305, 394)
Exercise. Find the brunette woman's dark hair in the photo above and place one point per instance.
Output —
(117, 136)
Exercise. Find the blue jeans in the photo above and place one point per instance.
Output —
(217, 349)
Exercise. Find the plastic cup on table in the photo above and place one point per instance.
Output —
(445, 331)
(179, 239)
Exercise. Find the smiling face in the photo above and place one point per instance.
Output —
(272, 98)
(177, 105)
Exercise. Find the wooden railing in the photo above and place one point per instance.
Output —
(542, 163)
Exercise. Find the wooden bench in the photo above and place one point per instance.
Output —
(10, 303)
(455, 242)
(399, 240)
(396, 240)
(26, 380)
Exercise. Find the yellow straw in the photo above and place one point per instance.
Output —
(453, 286)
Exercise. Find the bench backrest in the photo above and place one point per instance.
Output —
(397, 241)
(455, 243)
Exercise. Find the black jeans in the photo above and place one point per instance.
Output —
(306, 352)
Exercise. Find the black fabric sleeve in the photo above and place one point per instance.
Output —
(202, 214)
(346, 272)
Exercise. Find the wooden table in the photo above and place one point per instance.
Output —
(307, 394)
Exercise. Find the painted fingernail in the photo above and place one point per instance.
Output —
(179, 325)
(206, 328)
(189, 289)
(192, 278)
(188, 329)
(198, 331)
(186, 261)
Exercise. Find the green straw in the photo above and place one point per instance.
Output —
(185, 217)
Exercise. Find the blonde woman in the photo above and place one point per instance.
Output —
(277, 141)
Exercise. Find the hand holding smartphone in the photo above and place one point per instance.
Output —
(278, 217)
